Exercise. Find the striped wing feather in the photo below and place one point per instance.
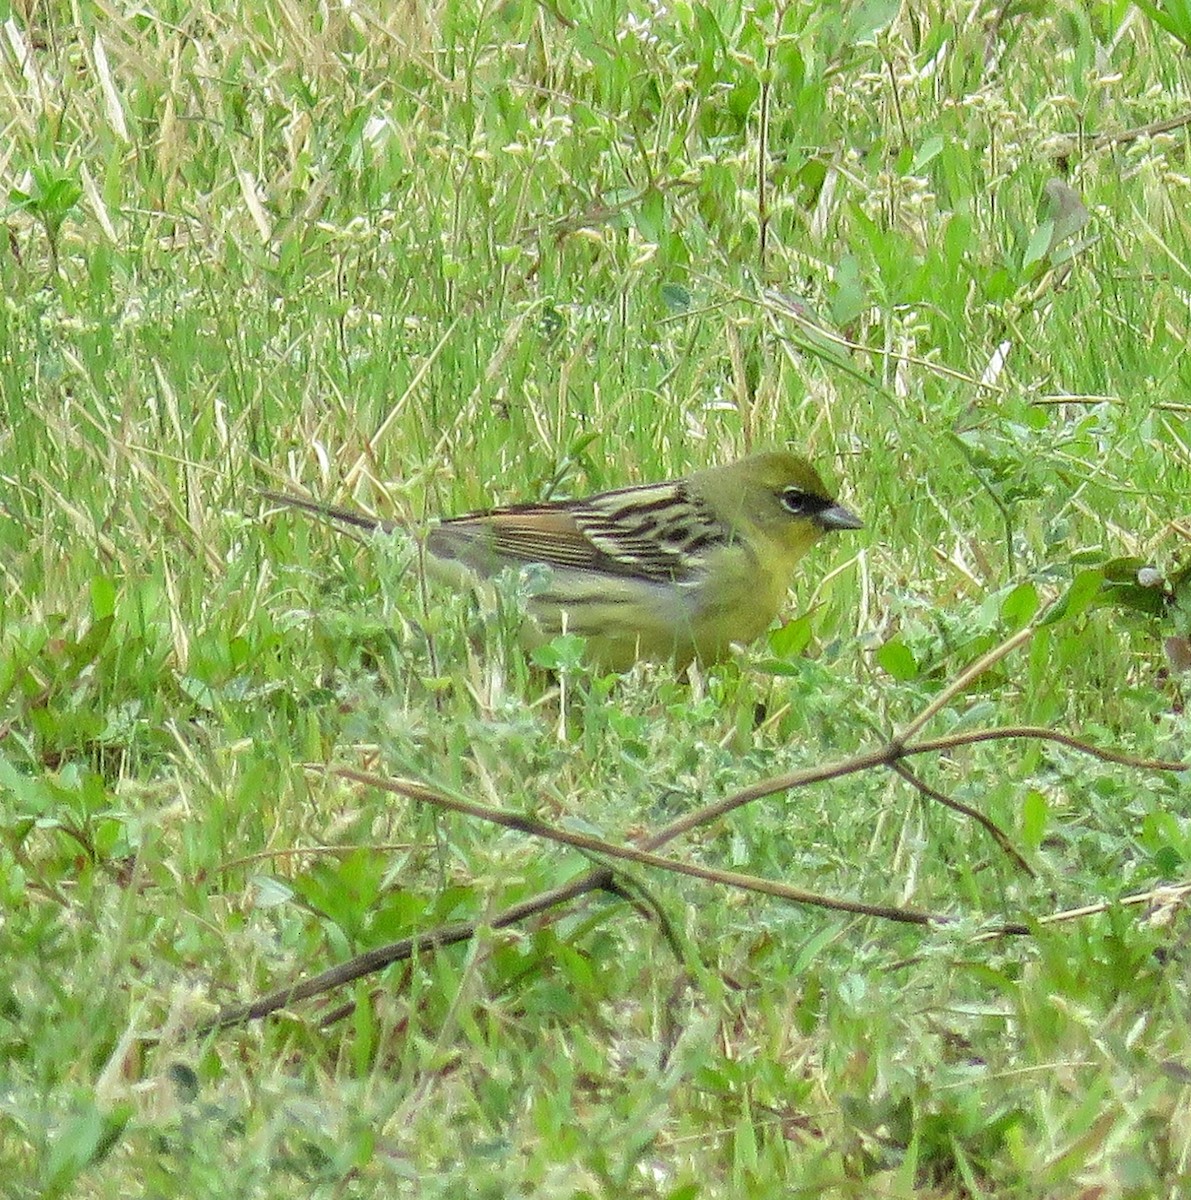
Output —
(660, 534)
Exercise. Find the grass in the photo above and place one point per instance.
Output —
(427, 258)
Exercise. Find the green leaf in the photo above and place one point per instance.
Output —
(271, 892)
(898, 660)
(1019, 606)
(869, 18)
(675, 297)
(85, 1140)
(1172, 15)
(651, 215)
(201, 692)
(103, 597)
(562, 653)
(792, 638)
(1035, 813)
(927, 152)
(86, 650)
(1120, 570)
(33, 795)
(847, 291)
(1084, 589)
(1038, 246)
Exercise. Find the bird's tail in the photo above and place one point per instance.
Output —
(346, 516)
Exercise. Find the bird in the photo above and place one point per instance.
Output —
(680, 570)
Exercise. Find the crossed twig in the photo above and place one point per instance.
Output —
(644, 852)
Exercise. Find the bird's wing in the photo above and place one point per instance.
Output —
(657, 533)
(661, 532)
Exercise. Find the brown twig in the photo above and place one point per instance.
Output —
(1042, 734)
(1123, 136)
(1166, 896)
(965, 677)
(594, 845)
(602, 877)
(384, 956)
(1163, 895)
(994, 831)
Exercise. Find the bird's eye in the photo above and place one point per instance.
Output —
(794, 501)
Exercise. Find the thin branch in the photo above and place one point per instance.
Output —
(593, 845)
(1163, 895)
(768, 787)
(1169, 125)
(994, 831)
(603, 878)
(1041, 733)
(384, 956)
(965, 677)
(599, 879)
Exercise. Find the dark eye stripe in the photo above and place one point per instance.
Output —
(802, 504)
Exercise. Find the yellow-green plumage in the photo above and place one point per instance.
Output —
(678, 570)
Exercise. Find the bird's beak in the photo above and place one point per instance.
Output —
(836, 516)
